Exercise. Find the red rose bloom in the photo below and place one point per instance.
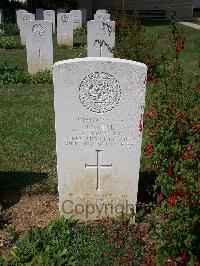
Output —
(169, 171)
(184, 256)
(149, 149)
(189, 147)
(171, 200)
(179, 116)
(186, 156)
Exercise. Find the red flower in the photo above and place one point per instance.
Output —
(160, 197)
(140, 124)
(149, 149)
(169, 171)
(150, 167)
(157, 167)
(184, 256)
(179, 116)
(165, 110)
(179, 49)
(151, 113)
(177, 180)
(171, 200)
(188, 195)
(145, 81)
(186, 156)
(189, 147)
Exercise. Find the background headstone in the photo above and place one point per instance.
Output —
(39, 13)
(24, 18)
(1, 16)
(39, 46)
(49, 15)
(99, 105)
(101, 11)
(18, 14)
(65, 29)
(84, 16)
(77, 18)
(100, 38)
(102, 16)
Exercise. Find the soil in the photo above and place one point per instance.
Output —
(23, 211)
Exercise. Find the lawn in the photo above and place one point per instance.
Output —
(27, 115)
(28, 158)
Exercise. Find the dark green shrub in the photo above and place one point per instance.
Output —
(8, 29)
(14, 75)
(42, 76)
(7, 43)
(45, 247)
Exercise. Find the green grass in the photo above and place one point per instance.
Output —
(27, 115)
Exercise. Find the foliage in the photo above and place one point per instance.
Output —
(68, 243)
(133, 44)
(8, 29)
(7, 43)
(172, 152)
(14, 75)
(9, 7)
(67, 4)
(45, 247)
(81, 31)
(2, 261)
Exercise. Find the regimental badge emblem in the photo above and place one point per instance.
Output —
(100, 92)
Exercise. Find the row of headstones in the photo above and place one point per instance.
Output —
(75, 18)
(37, 35)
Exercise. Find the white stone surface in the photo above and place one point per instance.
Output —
(99, 105)
(65, 29)
(100, 38)
(39, 46)
(24, 18)
(18, 14)
(102, 16)
(101, 11)
(49, 15)
(39, 13)
(77, 18)
(84, 16)
(1, 16)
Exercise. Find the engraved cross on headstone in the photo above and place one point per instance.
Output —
(98, 166)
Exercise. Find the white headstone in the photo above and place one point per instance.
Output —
(49, 15)
(39, 46)
(99, 105)
(84, 15)
(1, 16)
(102, 16)
(24, 18)
(101, 11)
(39, 13)
(100, 38)
(65, 29)
(77, 18)
(18, 14)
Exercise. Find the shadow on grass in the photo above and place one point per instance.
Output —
(145, 187)
(13, 184)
